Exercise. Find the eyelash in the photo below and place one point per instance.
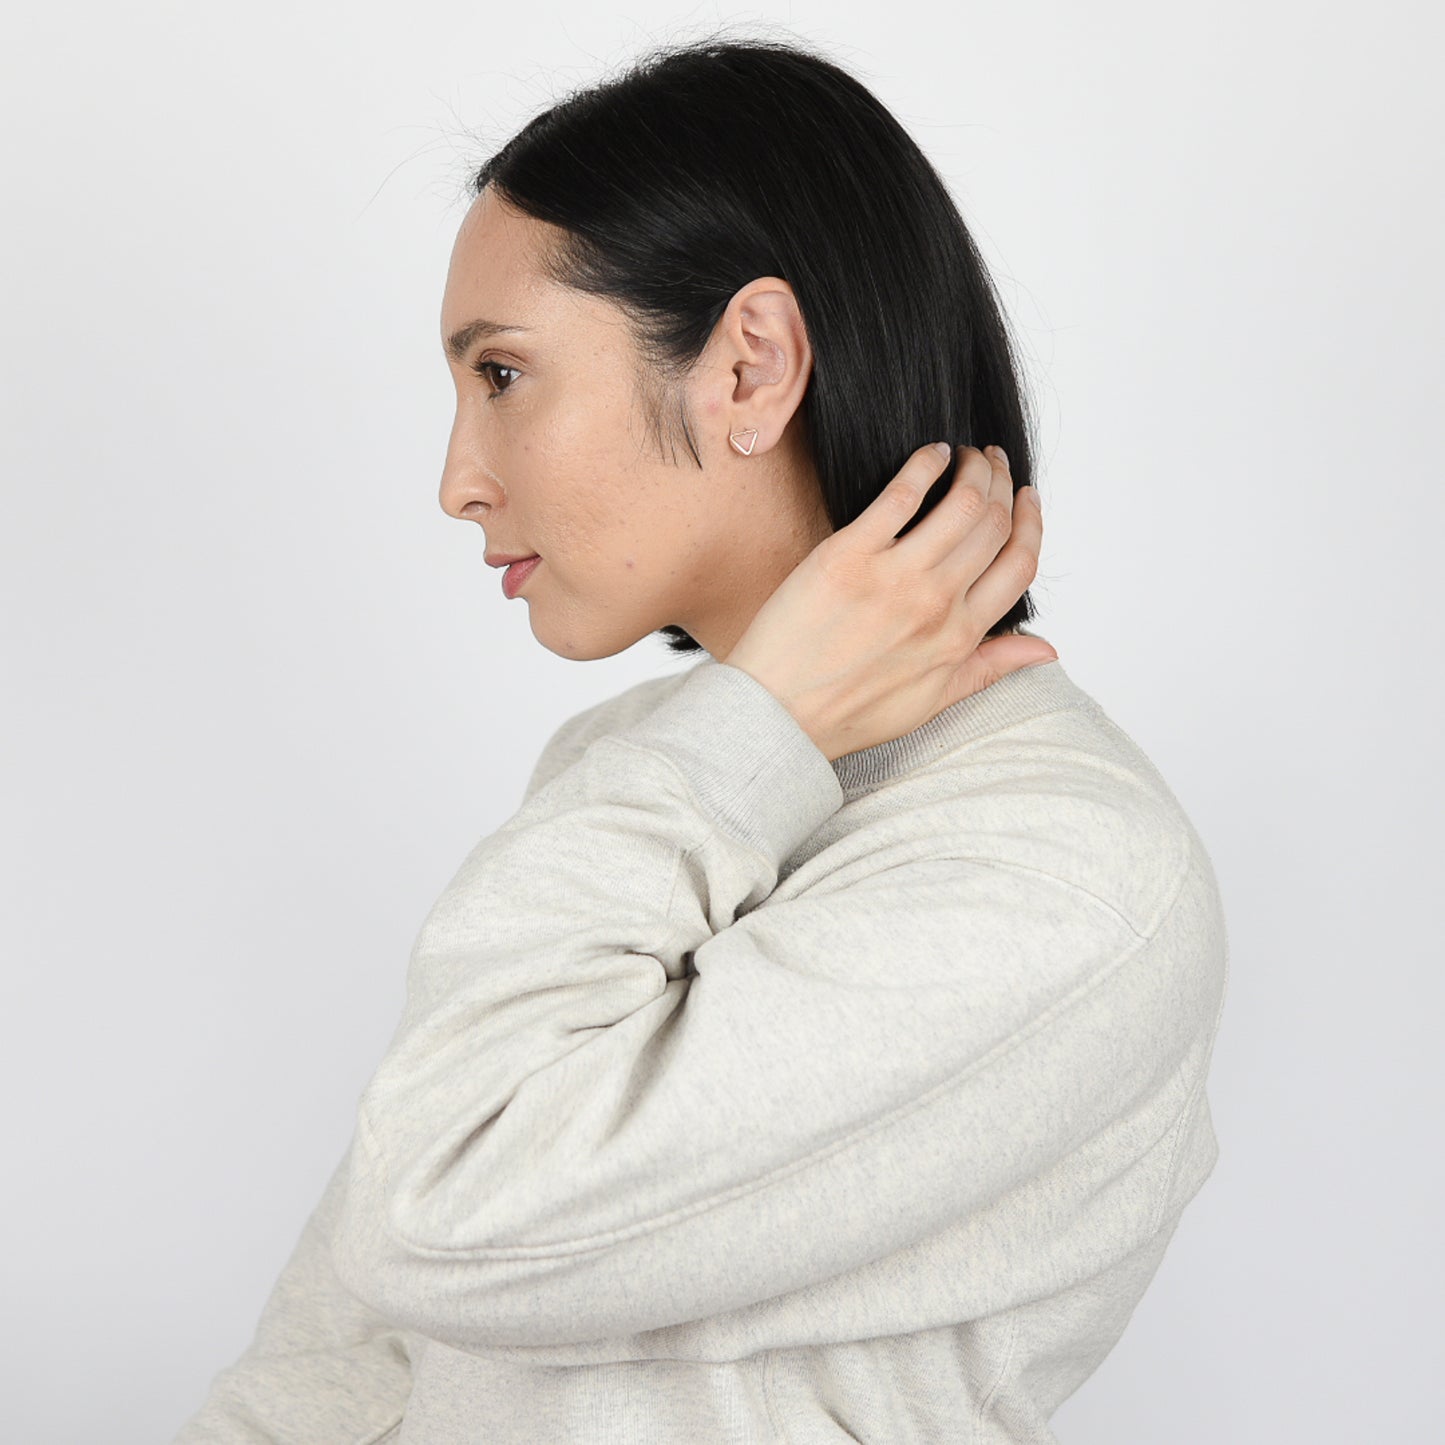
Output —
(485, 370)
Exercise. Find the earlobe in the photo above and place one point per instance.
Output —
(772, 361)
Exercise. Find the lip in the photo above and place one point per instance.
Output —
(503, 559)
(516, 575)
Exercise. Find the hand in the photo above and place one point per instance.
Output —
(872, 634)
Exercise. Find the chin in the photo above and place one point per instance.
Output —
(583, 644)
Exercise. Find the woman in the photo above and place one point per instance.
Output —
(818, 1054)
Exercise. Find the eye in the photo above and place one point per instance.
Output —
(488, 370)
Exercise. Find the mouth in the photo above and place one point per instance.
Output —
(517, 573)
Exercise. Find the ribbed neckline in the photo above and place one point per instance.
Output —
(1029, 692)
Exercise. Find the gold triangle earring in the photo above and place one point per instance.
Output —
(751, 433)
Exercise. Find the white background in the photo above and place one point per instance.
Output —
(261, 695)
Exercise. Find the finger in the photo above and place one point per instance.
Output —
(951, 532)
(877, 526)
(975, 548)
(1009, 575)
(1002, 485)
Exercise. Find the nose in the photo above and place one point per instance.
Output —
(469, 488)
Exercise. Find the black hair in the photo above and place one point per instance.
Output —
(707, 164)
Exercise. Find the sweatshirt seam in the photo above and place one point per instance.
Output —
(1166, 1184)
(592, 1242)
(690, 794)
(1143, 935)
(769, 1364)
(741, 785)
(714, 826)
(985, 1405)
(1191, 1104)
(390, 1429)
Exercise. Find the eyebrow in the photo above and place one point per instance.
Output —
(462, 338)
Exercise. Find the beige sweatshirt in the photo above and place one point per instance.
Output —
(741, 1096)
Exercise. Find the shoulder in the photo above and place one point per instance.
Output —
(1065, 804)
(1039, 861)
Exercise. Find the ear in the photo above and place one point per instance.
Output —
(763, 345)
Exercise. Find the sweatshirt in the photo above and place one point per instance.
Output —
(745, 1097)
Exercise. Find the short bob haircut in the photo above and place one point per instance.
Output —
(708, 164)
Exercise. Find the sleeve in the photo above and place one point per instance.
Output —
(622, 1096)
(322, 1367)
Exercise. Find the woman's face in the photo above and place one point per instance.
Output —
(549, 451)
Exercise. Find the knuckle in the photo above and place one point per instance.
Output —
(908, 493)
(841, 567)
(934, 607)
(971, 504)
(828, 559)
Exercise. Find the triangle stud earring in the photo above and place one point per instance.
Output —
(737, 438)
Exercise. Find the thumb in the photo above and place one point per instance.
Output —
(1014, 651)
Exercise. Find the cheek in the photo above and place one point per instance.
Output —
(610, 516)
(586, 531)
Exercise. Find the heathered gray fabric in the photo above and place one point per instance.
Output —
(743, 1098)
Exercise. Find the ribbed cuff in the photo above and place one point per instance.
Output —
(753, 770)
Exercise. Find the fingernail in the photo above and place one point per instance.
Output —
(943, 449)
(1001, 455)
(1033, 494)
